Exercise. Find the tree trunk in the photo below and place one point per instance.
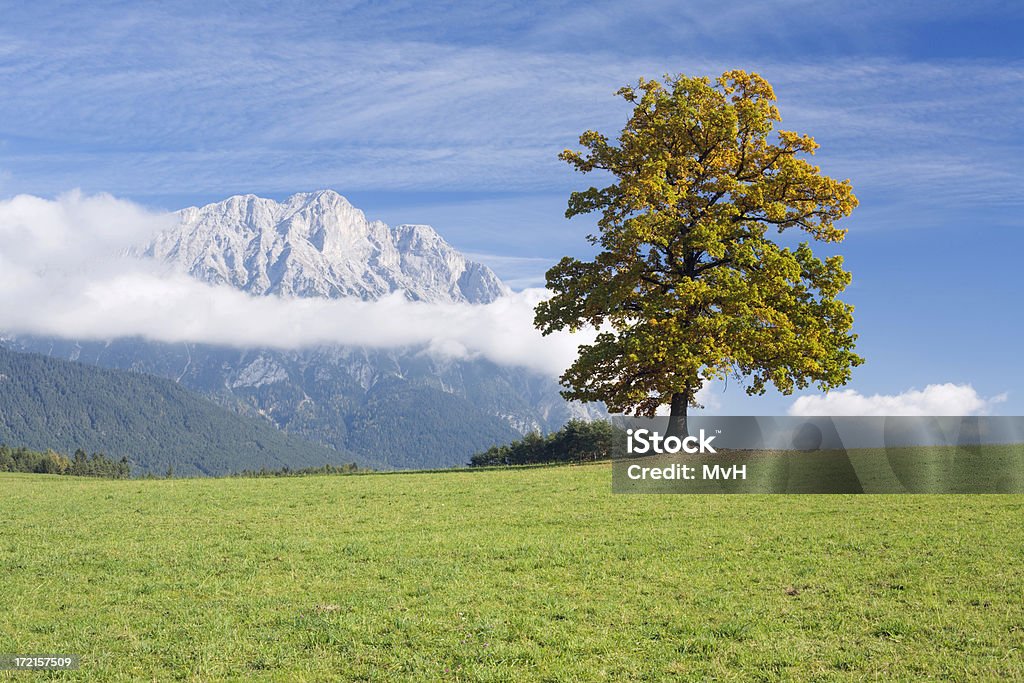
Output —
(677, 417)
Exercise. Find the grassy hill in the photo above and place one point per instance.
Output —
(50, 403)
(531, 574)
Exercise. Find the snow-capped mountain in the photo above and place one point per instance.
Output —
(317, 244)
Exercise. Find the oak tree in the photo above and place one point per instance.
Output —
(688, 285)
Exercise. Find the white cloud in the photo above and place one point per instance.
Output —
(73, 230)
(62, 273)
(709, 398)
(934, 399)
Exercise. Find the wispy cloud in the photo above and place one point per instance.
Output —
(518, 272)
(157, 102)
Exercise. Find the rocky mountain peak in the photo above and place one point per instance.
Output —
(317, 244)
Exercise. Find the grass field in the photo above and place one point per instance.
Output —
(533, 574)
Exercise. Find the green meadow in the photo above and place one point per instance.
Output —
(537, 574)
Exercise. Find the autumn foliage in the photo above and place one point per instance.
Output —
(688, 285)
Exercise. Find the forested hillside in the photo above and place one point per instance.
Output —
(47, 403)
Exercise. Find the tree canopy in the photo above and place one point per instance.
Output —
(688, 285)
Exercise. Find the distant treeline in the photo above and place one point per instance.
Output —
(50, 462)
(350, 468)
(578, 441)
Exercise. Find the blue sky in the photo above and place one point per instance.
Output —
(453, 114)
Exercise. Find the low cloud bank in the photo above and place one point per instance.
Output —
(933, 400)
(63, 273)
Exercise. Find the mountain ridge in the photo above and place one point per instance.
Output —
(317, 244)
